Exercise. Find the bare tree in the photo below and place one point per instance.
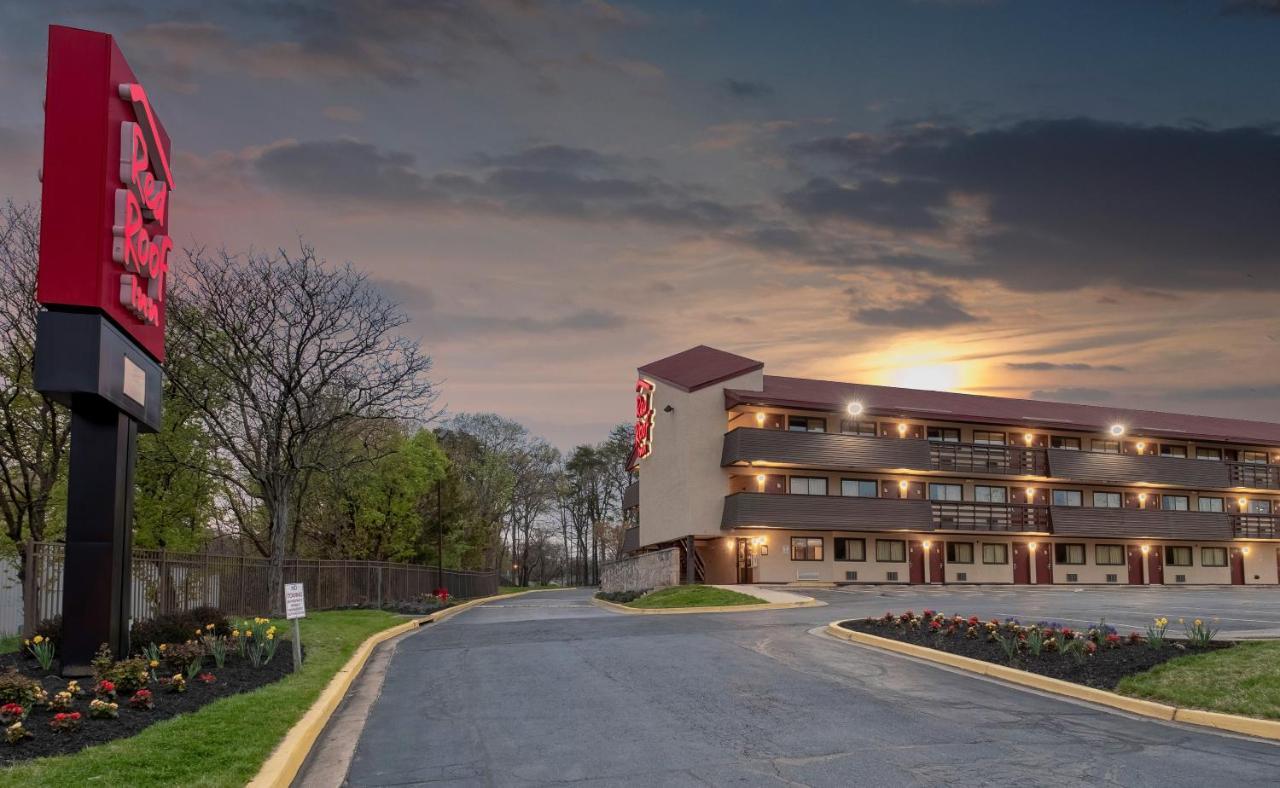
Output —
(537, 466)
(299, 350)
(34, 430)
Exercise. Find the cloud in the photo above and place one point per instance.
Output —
(344, 169)
(1255, 7)
(1070, 394)
(936, 310)
(746, 89)
(1045, 366)
(583, 320)
(343, 113)
(1260, 391)
(1065, 204)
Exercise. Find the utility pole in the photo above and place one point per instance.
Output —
(439, 537)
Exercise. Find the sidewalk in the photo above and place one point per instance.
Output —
(769, 595)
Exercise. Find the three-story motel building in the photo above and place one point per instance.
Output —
(767, 479)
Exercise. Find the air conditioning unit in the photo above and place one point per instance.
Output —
(1072, 577)
(892, 577)
(808, 575)
(1179, 578)
(1113, 578)
(850, 575)
(962, 576)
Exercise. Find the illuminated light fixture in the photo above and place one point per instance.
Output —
(927, 544)
(760, 419)
(1242, 502)
(760, 480)
(1031, 493)
(903, 486)
(1244, 550)
(902, 430)
(854, 408)
(1028, 437)
(1117, 430)
(1142, 500)
(1032, 547)
(1146, 549)
(1142, 447)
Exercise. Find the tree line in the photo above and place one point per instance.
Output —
(300, 421)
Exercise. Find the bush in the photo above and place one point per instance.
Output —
(621, 597)
(180, 657)
(178, 627)
(17, 688)
(129, 675)
(50, 629)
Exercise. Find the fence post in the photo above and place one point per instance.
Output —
(164, 581)
(30, 605)
(379, 586)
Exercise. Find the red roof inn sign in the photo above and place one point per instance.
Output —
(104, 257)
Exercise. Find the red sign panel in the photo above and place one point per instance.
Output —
(104, 218)
(644, 419)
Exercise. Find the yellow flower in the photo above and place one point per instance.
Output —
(26, 642)
(38, 639)
(1198, 622)
(163, 646)
(235, 633)
(271, 636)
(155, 663)
(208, 626)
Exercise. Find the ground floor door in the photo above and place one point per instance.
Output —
(1155, 567)
(746, 561)
(915, 560)
(1044, 564)
(1135, 564)
(1237, 566)
(937, 569)
(1021, 563)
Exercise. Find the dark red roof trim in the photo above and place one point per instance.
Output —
(699, 367)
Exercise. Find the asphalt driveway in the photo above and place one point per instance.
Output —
(548, 689)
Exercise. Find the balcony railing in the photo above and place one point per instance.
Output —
(825, 513)
(1002, 517)
(1096, 521)
(822, 450)
(1255, 526)
(1123, 469)
(1259, 477)
(985, 458)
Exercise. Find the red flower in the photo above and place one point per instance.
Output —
(11, 708)
(207, 678)
(1090, 646)
(973, 621)
(106, 686)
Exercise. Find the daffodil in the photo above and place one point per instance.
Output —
(38, 639)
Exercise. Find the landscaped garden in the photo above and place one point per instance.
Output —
(680, 596)
(1095, 655)
(205, 709)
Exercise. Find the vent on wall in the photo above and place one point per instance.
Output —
(1179, 578)
(807, 575)
(1113, 578)
(962, 576)
(891, 576)
(850, 575)
(1072, 577)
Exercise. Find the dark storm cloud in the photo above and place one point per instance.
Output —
(585, 320)
(1073, 202)
(1046, 366)
(1070, 394)
(549, 181)
(1257, 7)
(1263, 391)
(937, 310)
(746, 89)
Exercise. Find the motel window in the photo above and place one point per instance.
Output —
(806, 424)
(1167, 450)
(1174, 503)
(1213, 556)
(1108, 554)
(1254, 457)
(1208, 504)
(808, 485)
(892, 551)
(986, 494)
(1106, 447)
(806, 548)
(1177, 556)
(851, 549)
(988, 438)
(1068, 498)
(1059, 442)
(1068, 553)
(995, 554)
(858, 488)
(946, 492)
(944, 434)
(1106, 500)
(1259, 507)
(959, 552)
(850, 427)
(1205, 453)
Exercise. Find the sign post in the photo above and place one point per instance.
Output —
(104, 257)
(295, 609)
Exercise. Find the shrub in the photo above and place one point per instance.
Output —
(16, 733)
(105, 689)
(621, 597)
(142, 700)
(185, 657)
(61, 701)
(11, 713)
(128, 675)
(16, 688)
(180, 626)
(65, 722)
(176, 684)
(104, 709)
(50, 629)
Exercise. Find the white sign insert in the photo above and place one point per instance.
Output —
(135, 382)
(294, 603)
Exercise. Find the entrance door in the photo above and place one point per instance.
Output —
(1237, 566)
(1155, 566)
(915, 558)
(1021, 563)
(1044, 564)
(937, 570)
(746, 561)
(1135, 564)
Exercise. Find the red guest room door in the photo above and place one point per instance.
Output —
(1135, 564)
(1237, 566)
(1155, 567)
(1044, 564)
(915, 558)
(1021, 564)
(937, 569)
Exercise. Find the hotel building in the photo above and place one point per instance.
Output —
(767, 479)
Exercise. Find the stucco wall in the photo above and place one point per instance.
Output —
(642, 572)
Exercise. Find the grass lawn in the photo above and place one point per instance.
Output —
(225, 742)
(10, 643)
(503, 590)
(1244, 679)
(693, 596)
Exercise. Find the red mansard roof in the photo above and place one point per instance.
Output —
(699, 367)
(828, 395)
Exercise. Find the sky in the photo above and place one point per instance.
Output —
(1074, 201)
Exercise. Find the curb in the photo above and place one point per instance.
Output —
(282, 766)
(1249, 726)
(672, 611)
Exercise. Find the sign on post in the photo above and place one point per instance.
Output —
(295, 608)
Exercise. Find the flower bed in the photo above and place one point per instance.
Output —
(1096, 655)
(55, 716)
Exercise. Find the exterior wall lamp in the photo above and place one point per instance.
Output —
(1032, 547)
(1242, 503)
(902, 430)
(1146, 548)
(1142, 447)
(760, 419)
(902, 488)
(1244, 550)
(1142, 500)
(1028, 438)
(1031, 494)
(760, 480)
(1117, 430)
(854, 408)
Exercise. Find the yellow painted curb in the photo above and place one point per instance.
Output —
(672, 611)
(286, 759)
(1249, 726)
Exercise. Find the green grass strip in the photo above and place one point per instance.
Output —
(225, 742)
(693, 596)
(1244, 679)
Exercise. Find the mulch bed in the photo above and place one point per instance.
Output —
(236, 676)
(1103, 669)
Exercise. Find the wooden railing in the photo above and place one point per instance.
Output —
(1002, 517)
(986, 458)
(1256, 476)
(1255, 526)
